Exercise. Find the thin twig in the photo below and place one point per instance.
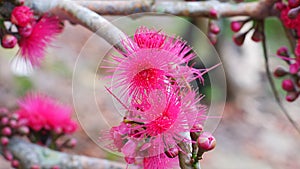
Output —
(271, 81)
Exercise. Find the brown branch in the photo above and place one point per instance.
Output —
(73, 12)
(31, 154)
(257, 10)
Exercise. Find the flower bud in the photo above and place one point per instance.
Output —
(292, 96)
(21, 15)
(236, 26)
(172, 152)
(257, 35)
(55, 167)
(71, 143)
(6, 131)
(129, 160)
(280, 72)
(213, 13)
(15, 116)
(4, 121)
(4, 141)
(239, 38)
(24, 130)
(197, 128)
(283, 51)
(206, 141)
(9, 41)
(13, 123)
(213, 38)
(288, 85)
(8, 155)
(35, 167)
(294, 68)
(26, 30)
(15, 163)
(214, 28)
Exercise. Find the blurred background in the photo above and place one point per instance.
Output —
(252, 132)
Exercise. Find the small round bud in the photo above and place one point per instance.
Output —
(283, 51)
(4, 141)
(15, 116)
(4, 121)
(236, 26)
(21, 15)
(239, 38)
(71, 143)
(8, 155)
(24, 130)
(280, 72)
(214, 28)
(9, 41)
(15, 163)
(257, 35)
(197, 128)
(294, 68)
(213, 13)
(129, 160)
(13, 123)
(26, 30)
(6, 131)
(288, 85)
(172, 152)
(213, 38)
(206, 141)
(292, 96)
(55, 167)
(35, 167)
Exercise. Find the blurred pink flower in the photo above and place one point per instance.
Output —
(38, 35)
(21, 16)
(160, 161)
(42, 112)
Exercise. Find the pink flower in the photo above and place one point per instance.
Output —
(42, 112)
(21, 16)
(33, 45)
(160, 161)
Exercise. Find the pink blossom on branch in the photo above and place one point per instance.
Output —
(37, 37)
(42, 112)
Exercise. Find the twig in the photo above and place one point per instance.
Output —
(31, 154)
(271, 81)
(257, 10)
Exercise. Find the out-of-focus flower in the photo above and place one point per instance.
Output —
(21, 16)
(33, 45)
(42, 112)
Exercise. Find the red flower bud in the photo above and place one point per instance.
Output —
(294, 68)
(213, 38)
(197, 128)
(15, 163)
(288, 85)
(292, 96)
(8, 155)
(206, 141)
(172, 152)
(239, 38)
(9, 41)
(24, 130)
(26, 30)
(4, 121)
(4, 141)
(283, 51)
(13, 123)
(6, 131)
(35, 167)
(214, 28)
(257, 35)
(280, 72)
(236, 26)
(21, 15)
(213, 13)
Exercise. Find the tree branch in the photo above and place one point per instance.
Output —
(31, 154)
(257, 10)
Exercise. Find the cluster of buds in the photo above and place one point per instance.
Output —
(10, 125)
(239, 37)
(203, 141)
(213, 31)
(31, 33)
(291, 83)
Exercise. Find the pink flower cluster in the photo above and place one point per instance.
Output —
(34, 34)
(40, 112)
(153, 79)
